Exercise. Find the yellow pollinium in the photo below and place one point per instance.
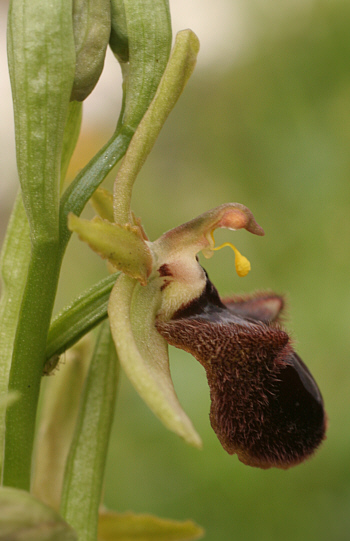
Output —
(241, 263)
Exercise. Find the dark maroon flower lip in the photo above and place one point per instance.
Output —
(265, 405)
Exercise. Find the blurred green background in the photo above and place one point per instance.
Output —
(270, 130)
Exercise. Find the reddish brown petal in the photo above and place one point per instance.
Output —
(265, 307)
(266, 406)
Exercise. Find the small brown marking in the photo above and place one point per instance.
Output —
(164, 270)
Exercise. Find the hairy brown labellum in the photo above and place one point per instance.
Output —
(265, 404)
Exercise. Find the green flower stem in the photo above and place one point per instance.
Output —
(83, 480)
(28, 361)
(14, 263)
(77, 319)
(180, 67)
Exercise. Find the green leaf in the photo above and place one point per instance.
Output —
(83, 479)
(143, 353)
(23, 518)
(131, 527)
(123, 246)
(59, 407)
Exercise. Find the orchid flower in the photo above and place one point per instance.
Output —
(265, 405)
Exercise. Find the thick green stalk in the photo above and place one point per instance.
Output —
(14, 262)
(41, 62)
(28, 361)
(82, 487)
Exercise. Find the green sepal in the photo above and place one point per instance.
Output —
(24, 517)
(127, 526)
(123, 246)
(143, 353)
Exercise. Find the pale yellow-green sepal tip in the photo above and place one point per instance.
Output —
(122, 245)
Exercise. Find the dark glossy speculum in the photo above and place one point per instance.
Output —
(265, 404)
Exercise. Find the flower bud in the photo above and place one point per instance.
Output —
(92, 27)
(118, 40)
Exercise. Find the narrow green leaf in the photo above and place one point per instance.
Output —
(76, 320)
(123, 246)
(22, 517)
(143, 353)
(60, 399)
(83, 480)
(131, 527)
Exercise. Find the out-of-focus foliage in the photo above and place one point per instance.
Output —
(272, 132)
